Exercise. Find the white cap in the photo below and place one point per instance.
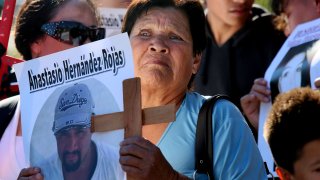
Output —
(74, 108)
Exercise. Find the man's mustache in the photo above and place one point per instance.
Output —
(76, 152)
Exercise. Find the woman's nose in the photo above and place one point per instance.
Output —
(158, 45)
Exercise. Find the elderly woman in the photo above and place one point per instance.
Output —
(167, 37)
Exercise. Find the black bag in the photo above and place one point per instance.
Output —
(204, 139)
(7, 109)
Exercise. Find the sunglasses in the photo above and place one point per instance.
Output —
(73, 33)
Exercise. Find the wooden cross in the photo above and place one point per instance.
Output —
(133, 117)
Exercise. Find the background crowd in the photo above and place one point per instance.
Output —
(183, 51)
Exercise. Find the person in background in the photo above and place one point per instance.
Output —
(242, 42)
(33, 39)
(168, 37)
(292, 132)
(292, 13)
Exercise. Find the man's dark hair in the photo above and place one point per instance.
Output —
(191, 8)
(277, 6)
(292, 123)
(32, 15)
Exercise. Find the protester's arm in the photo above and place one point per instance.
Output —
(31, 173)
(236, 155)
(141, 159)
(250, 103)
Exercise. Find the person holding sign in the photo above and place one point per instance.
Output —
(42, 27)
(168, 37)
(292, 67)
(294, 13)
(292, 131)
(78, 155)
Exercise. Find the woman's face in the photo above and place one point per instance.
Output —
(291, 75)
(75, 10)
(299, 11)
(163, 49)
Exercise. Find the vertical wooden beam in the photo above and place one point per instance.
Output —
(132, 107)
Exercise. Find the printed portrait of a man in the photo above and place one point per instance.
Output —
(74, 151)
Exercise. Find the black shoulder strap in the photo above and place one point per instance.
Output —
(204, 139)
(7, 110)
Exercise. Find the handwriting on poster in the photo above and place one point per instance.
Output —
(110, 59)
(305, 35)
(112, 22)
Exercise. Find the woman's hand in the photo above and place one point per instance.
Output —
(141, 159)
(32, 173)
(250, 103)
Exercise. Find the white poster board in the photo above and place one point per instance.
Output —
(100, 65)
(296, 64)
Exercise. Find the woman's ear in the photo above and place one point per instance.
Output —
(36, 48)
(283, 173)
(196, 63)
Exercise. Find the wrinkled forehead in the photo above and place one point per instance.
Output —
(168, 16)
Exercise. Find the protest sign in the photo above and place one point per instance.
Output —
(296, 65)
(111, 19)
(52, 87)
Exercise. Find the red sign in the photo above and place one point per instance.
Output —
(8, 86)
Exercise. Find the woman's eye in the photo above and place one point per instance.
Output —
(144, 34)
(175, 37)
(285, 74)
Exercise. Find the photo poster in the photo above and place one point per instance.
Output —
(295, 65)
(104, 64)
(111, 19)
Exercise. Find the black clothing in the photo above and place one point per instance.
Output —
(231, 68)
(7, 109)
